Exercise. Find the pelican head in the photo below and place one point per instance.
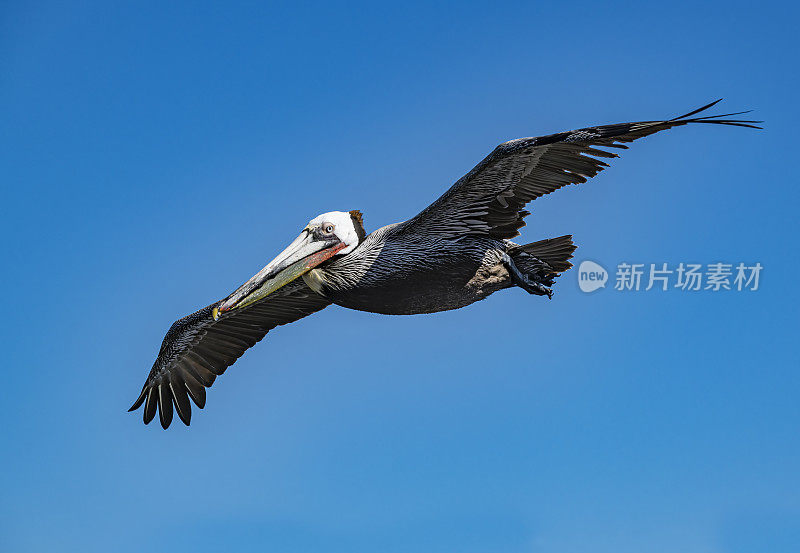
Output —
(331, 234)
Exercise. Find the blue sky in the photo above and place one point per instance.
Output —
(153, 158)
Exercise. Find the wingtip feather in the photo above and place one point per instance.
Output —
(139, 400)
(149, 407)
(164, 406)
(182, 405)
(698, 110)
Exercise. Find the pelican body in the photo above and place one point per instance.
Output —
(438, 273)
(455, 252)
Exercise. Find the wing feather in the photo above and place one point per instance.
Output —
(197, 349)
(149, 405)
(489, 200)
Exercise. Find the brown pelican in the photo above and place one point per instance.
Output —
(455, 252)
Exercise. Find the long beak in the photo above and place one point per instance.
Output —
(306, 252)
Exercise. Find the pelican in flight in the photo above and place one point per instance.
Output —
(457, 251)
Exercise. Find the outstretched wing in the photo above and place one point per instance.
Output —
(489, 200)
(197, 348)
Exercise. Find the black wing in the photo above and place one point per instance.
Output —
(489, 200)
(197, 348)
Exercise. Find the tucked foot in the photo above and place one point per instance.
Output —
(524, 281)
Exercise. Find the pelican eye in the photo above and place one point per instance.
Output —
(328, 228)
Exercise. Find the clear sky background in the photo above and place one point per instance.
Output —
(154, 157)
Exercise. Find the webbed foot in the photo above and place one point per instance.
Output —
(524, 281)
